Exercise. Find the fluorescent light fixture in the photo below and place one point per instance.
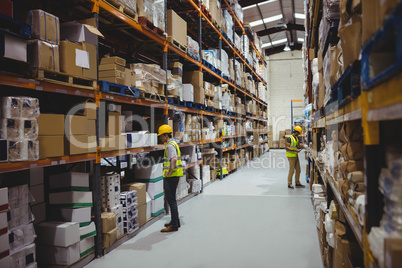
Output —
(300, 40)
(259, 4)
(300, 16)
(266, 20)
(276, 42)
(286, 48)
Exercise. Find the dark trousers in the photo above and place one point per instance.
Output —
(170, 185)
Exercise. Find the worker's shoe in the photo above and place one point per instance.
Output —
(169, 224)
(299, 185)
(290, 187)
(170, 229)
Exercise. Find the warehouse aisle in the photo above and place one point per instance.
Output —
(249, 219)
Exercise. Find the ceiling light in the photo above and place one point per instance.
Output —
(287, 48)
(300, 16)
(266, 20)
(276, 42)
(259, 4)
(300, 40)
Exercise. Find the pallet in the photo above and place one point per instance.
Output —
(151, 96)
(15, 27)
(114, 88)
(209, 109)
(177, 44)
(382, 55)
(206, 12)
(194, 57)
(63, 79)
(176, 101)
(145, 23)
(127, 11)
(227, 78)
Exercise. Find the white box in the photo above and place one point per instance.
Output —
(154, 139)
(128, 198)
(87, 231)
(136, 139)
(38, 192)
(3, 222)
(87, 245)
(148, 204)
(59, 255)
(36, 176)
(206, 174)
(62, 234)
(4, 243)
(157, 206)
(14, 48)
(3, 199)
(147, 172)
(76, 32)
(73, 198)
(19, 216)
(25, 256)
(70, 181)
(39, 212)
(188, 92)
(80, 215)
(155, 188)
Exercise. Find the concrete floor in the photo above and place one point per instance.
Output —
(249, 219)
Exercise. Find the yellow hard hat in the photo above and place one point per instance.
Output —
(298, 129)
(164, 129)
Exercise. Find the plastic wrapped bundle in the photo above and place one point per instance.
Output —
(33, 150)
(331, 9)
(131, 5)
(209, 56)
(175, 86)
(229, 24)
(323, 32)
(193, 49)
(238, 10)
(149, 72)
(16, 129)
(18, 150)
(159, 14)
(245, 45)
(20, 107)
(225, 63)
(238, 71)
(147, 10)
(238, 42)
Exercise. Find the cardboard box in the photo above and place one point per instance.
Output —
(351, 42)
(392, 252)
(108, 221)
(109, 238)
(71, 199)
(80, 215)
(199, 95)
(77, 32)
(48, 254)
(111, 67)
(76, 125)
(90, 110)
(141, 189)
(196, 78)
(36, 176)
(69, 180)
(76, 144)
(116, 80)
(39, 212)
(370, 19)
(176, 27)
(62, 234)
(45, 26)
(87, 245)
(113, 124)
(13, 47)
(91, 127)
(51, 124)
(51, 146)
(44, 55)
(148, 172)
(142, 214)
(157, 206)
(113, 60)
(78, 60)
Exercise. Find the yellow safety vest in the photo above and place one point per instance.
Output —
(178, 171)
(294, 142)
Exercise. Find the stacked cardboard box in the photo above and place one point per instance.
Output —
(112, 69)
(143, 200)
(175, 80)
(36, 184)
(152, 175)
(176, 29)
(149, 78)
(80, 133)
(78, 51)
(282, 139)
(129, 206)
(209, 90)
(19, 128)
(114, 139)
(192, 129)
(196, 78)
(109, 228)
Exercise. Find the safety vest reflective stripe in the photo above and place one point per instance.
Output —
(178, 171)
(294, 142)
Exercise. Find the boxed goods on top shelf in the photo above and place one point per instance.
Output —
(131, 5)
(150, 78)
(229, 25)
(193, 49)
(238, 10)
(153, 11)
(176, 28)
(210, 56)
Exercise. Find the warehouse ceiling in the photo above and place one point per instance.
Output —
(279, 23)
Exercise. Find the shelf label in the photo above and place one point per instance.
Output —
(128, 152)
(39, 88)
(53, 163)
(33, 166)
(23, 80)
(91, 95)
(63, 91)
(80, 93)
(62, 162)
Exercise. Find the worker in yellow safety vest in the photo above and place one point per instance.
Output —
(172, 171)
(292, 149)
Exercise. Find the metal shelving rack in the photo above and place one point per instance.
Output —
(98, 96)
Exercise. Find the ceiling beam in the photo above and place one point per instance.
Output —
(293, 33)
(278, 49)
(265, 25)
(273, 30)
(283, 19)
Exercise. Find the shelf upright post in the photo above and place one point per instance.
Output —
(200, 33)
(165, 54)
(97, 206)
